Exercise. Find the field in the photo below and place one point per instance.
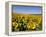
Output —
(26, 22)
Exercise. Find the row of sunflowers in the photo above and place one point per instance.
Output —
(26, 22)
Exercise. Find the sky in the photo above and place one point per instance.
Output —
(26, 9)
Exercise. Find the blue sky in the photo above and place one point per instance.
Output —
(26, 9)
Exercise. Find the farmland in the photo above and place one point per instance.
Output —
(26, 22)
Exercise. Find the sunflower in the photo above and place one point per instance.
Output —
(15, 24)
(36, 20)
(31, 25)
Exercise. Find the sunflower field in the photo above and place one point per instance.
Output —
(26, 22)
